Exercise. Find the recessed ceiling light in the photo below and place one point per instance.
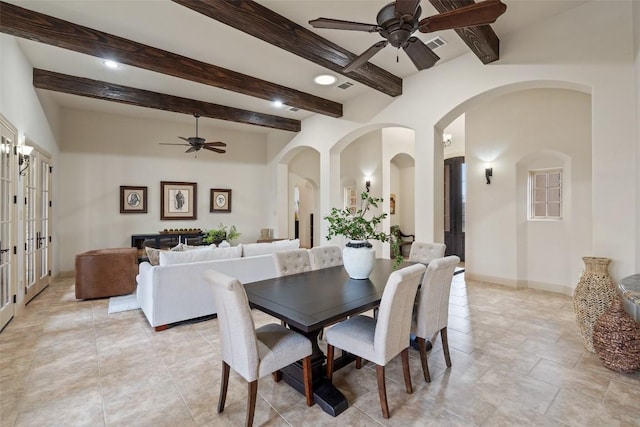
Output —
(111, 64)
(277, 103)
(325, 79)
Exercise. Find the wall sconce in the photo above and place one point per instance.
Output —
(23, 152)
(488, 173)
(367, 185)
(446, 139)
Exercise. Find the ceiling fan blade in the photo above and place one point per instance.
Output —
(337, 24)
(217, 150)
(215, 144)
(192, 149)
(185, 139)
(420, 54)
(169, 143)
(406, 8)
(482, 13)
(364, 57)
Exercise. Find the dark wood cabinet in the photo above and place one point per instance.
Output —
(163, 241)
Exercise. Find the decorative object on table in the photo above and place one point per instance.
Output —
(616, 339)
(592, 296)
(178, 200)
(220, 200)
(133, 199)
(358, 255)
(220, 234)
(266, 233)
(180, 231)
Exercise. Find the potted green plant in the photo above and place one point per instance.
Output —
(358, 255)
(221, 234)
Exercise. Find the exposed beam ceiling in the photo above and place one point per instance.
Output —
(263, 23)
(31, 25)
(43, 79)
(482, 40)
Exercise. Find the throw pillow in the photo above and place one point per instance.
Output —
(153, 254)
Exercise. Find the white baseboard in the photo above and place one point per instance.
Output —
(521, 284)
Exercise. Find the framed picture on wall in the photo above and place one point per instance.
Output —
(351, 199)
(178, 200)
(220, 200)
(133, 199)
(392, 204)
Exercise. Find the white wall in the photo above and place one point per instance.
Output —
(579, 50)
(20, 105)
(101, 152)
(531, 129)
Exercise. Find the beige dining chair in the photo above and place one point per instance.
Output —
(253, 353)
(431, 312)
(425, 252)
(325, 256)
(292, 262)
(382, 339)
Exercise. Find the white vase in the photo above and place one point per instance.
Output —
(358, 261)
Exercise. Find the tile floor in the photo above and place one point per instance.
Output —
(517, 361)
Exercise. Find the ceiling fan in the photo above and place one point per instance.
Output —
(399, 19)
(195, 143)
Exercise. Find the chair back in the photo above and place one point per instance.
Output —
(325, 256)
(292, 262)
(426, 252)
(432, 311)
(238, 341)
(394, 316)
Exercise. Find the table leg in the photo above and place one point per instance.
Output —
(325, 394)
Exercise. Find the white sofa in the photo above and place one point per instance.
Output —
(172, 292)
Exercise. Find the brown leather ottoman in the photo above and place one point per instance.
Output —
(106, 272)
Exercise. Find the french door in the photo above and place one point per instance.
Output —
(37, 224)
(454, 206)
(8, 242)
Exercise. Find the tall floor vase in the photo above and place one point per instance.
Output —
(592, 296)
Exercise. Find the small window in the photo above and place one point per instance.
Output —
(545, 194)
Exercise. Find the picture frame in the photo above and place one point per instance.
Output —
(178, 200)
(133, 199)
(392, 204)
(351, 199)
(220, 200)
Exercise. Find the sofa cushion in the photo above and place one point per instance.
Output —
(255, 249)
(196, 255)
(154, 254)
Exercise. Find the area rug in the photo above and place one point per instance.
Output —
(123, 303)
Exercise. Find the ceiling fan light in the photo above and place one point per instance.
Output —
(325, 79)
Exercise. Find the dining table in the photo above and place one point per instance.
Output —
(310, 301)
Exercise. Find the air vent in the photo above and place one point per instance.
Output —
(345, 85)
(294, 109)
(436, 43)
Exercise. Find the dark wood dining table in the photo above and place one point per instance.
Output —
(310, 301)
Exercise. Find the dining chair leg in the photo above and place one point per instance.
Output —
(445, 346)
(251, 401)
(405, 370)
(329, 362)
(358, 362)
(382, 391)
(422, 346)
(224, 383)
(306, 371)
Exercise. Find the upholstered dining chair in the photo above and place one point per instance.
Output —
(425, 252)
(325, 256)
(253, 353)
(380, 340)
(292, 262)
(431, 312)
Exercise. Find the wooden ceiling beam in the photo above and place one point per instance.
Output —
(49, 80)
(482, 40)
(27, 24)
(265, 24)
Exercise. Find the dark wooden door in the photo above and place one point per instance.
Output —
(454, 205)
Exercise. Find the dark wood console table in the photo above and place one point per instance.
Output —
(164, 240)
